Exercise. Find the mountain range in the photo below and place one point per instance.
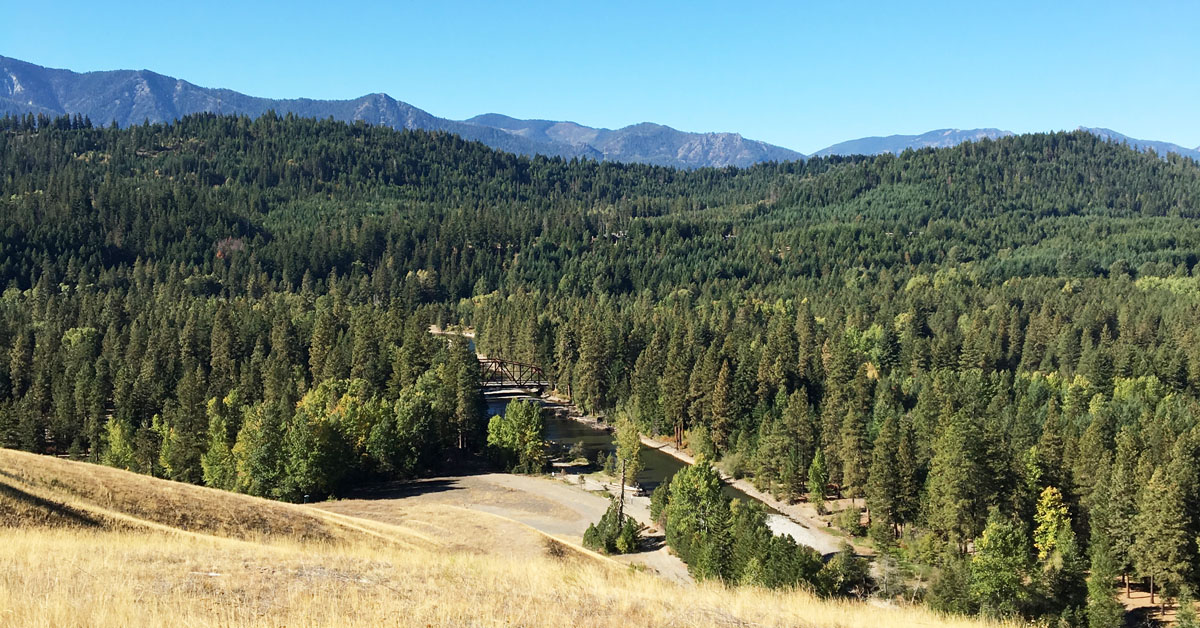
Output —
(135, 96)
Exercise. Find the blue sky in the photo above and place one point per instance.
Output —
(799, 74)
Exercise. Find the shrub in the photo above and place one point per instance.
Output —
(610, 536)
(850, 520)
(659, 500)
(845, 574)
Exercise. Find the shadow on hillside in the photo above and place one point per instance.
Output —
(400, 490)
(49, 512)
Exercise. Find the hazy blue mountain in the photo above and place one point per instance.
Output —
(945, 138)
(645, 142)
(1162, 148)
(133, 96)
(941, 138)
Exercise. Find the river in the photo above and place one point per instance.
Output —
(563, 433)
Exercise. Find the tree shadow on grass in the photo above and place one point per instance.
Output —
(50, 512)
(403, 489)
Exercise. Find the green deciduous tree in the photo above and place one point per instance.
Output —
(517, 437)
(999, 569)
(698, 521)
(1052, 518)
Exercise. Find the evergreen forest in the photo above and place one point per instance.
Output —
(992, 349)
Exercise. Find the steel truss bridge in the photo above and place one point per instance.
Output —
(501, 373)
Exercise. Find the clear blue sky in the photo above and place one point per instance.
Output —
(799, 74)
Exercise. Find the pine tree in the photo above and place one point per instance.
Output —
(1160, 549)
(183, 432)
(221, 354)
(722, 419)
(854, 450)
(218, 465)
(364, 355)
(324, 335)
(1120, 526)
(1185, 617)
(883, 488)
(951, 505)
(818, 479)
(908, 485)
(469, 403)
(1103, 609)
(20, 364)
(629, 455)
(591, 371)
(673, 390)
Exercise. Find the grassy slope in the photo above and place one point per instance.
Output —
(82, 545)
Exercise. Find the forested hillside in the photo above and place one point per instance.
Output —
(995, 345)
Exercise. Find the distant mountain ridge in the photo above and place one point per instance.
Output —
(645, 143)
(945, 138)
(1162, 148)
(133, 96)
(941, 138)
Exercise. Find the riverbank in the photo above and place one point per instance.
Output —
(798, 520)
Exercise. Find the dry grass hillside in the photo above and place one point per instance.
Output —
(82, 545)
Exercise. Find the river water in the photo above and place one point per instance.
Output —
(564, 433)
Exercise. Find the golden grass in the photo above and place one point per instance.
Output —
(359, 573)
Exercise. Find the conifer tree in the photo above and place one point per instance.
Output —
(908, 485)
(221, 353)
(1185, 617)
(722, 419)
(324, 334)
(855, 448)
(629, 455)
(1103, 609)
(1120, 524)
(818, 478)
(1160, 548)
(220, 470)
(883, 488)
(951, 505)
